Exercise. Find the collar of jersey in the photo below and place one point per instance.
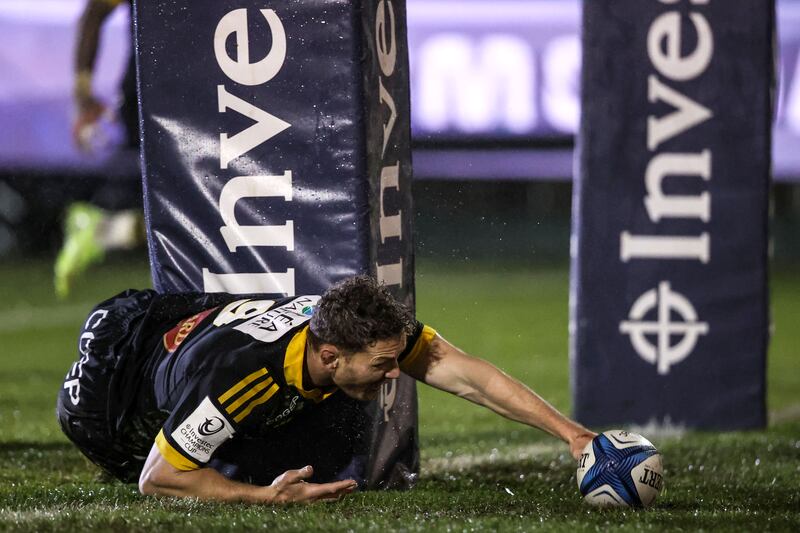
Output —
(293, 367)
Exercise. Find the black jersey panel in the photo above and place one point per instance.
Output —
(223, 375)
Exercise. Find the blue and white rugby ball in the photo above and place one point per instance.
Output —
(619, 468)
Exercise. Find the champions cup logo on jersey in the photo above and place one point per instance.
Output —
(211, 426)
(667, 304)
(203, 431)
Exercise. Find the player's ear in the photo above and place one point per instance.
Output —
(329, 355)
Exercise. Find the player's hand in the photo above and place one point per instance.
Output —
(579, 442)
(291, 486)
(89, 112)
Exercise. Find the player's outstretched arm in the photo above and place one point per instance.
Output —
(450, 369)
(161, 478)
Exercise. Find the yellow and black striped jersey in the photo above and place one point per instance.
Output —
(232, 371)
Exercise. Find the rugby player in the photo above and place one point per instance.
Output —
(213, 395)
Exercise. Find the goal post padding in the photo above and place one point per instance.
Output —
(276, 160)
(669, 310)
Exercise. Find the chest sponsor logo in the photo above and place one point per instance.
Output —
(175, 337)
(203, 431)
(275, 323)
(295, 405)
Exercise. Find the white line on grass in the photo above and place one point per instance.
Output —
(508, 454)
(789, 413)
(512, 454)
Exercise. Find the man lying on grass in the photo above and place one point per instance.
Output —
(212, 396)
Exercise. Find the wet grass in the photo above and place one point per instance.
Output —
(480, 473)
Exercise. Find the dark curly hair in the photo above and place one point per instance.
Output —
(357, 312)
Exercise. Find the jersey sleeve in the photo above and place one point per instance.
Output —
(417, 344)
(211, 410)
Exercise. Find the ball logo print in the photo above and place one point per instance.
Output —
(667, 304)
(211, 426)
(618, 468)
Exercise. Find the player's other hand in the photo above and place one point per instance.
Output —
(579, 442)
(291, 486)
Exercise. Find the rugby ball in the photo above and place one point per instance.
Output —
(621, 469)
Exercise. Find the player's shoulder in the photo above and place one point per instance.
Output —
(266, 320)
(255, 328)
(417, 343)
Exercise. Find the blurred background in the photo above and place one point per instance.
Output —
(495, 106)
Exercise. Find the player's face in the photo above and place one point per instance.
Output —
(361, 374)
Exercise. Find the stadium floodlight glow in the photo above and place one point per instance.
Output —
(480, 70)
(489, 14)
(476, 85)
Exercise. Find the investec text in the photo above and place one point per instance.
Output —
(264, 127)
(668, 60)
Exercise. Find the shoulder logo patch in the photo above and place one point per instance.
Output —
(203, 431)
(275, 323)
(211, 426)
(175, 337)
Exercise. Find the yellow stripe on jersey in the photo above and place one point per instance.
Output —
(173, 456)
(420, 347)
(252, 392)
(242, 384)
(258, 401)
(293, 362)
(293, 367)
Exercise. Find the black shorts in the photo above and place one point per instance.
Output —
(100, 387)
(85, 406)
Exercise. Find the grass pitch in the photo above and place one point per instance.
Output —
(479, 472)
